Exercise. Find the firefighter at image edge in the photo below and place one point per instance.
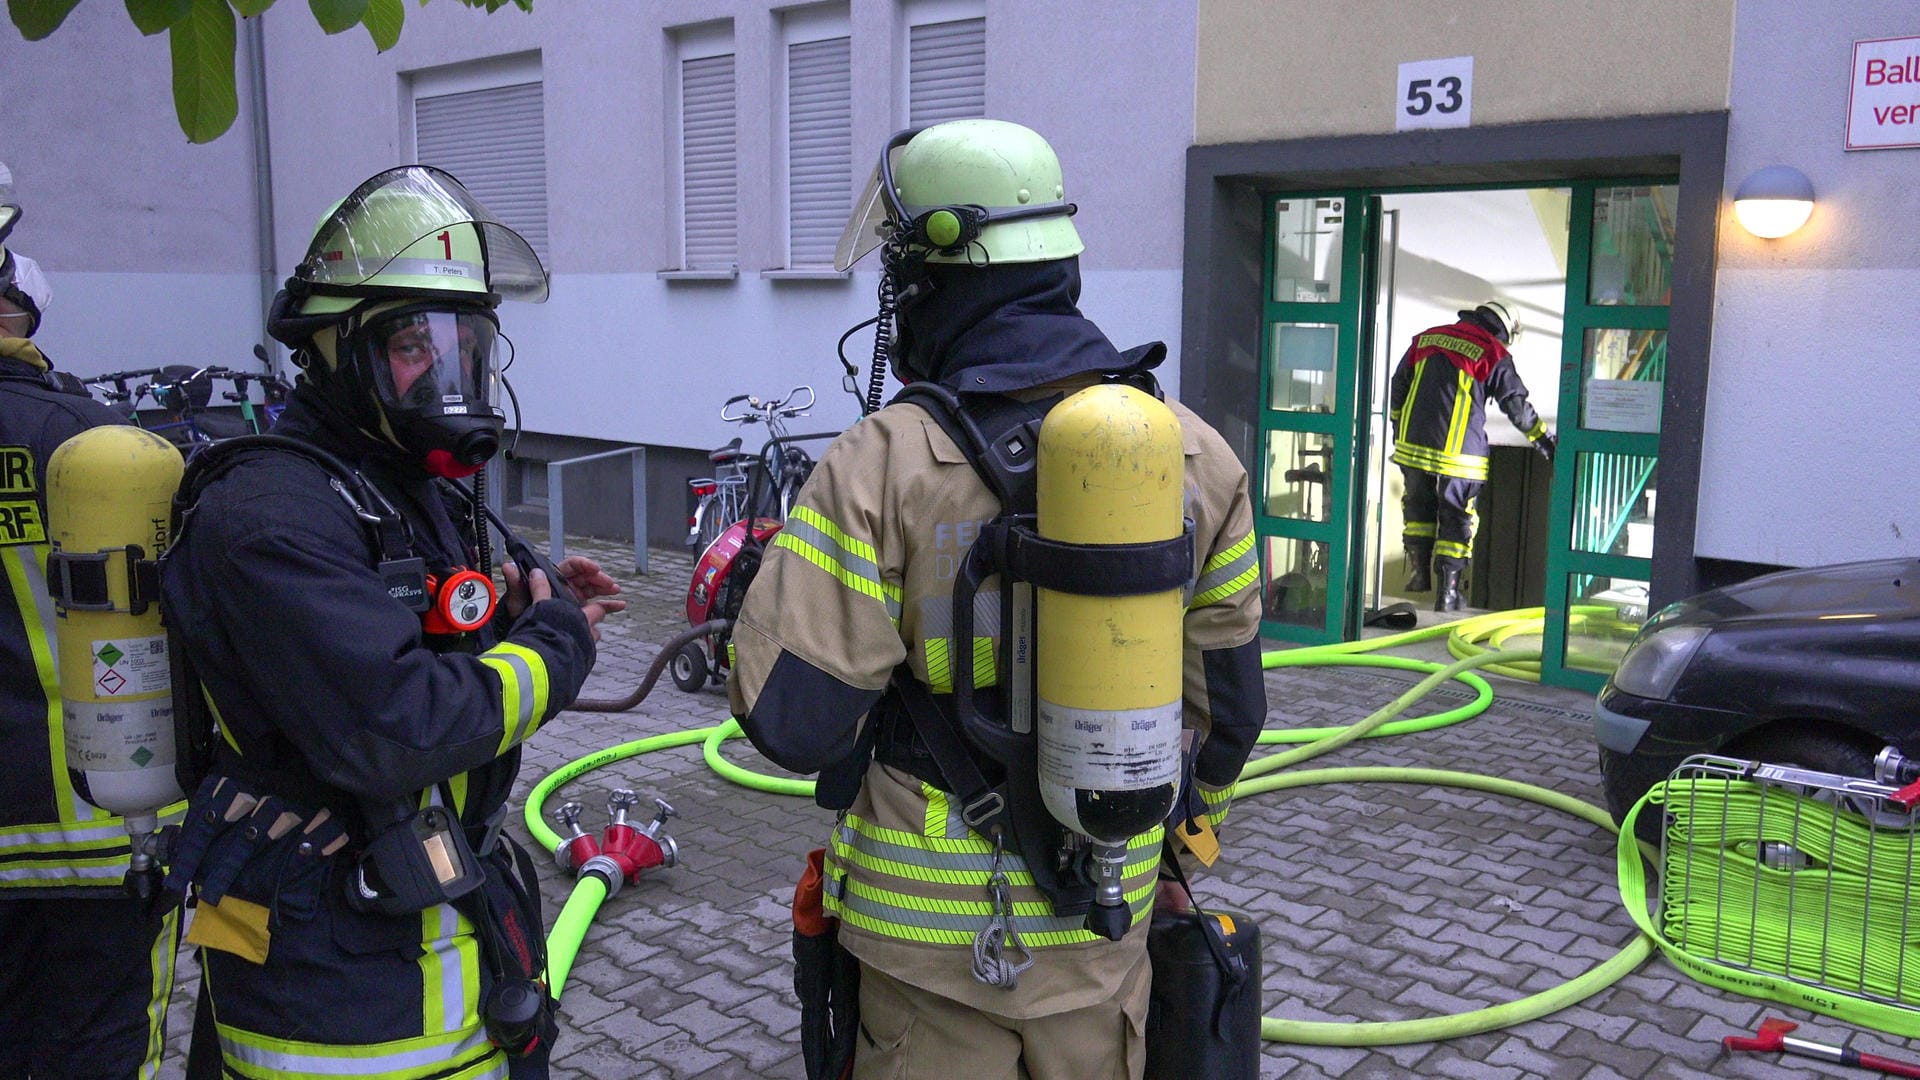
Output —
(358, 909)
(88, 970)
(850, 617)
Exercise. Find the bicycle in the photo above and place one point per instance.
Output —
(722, 497)
(732, 494)
(782, 468)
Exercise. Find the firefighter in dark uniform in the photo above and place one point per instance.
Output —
(860, 582)
(366, 749)
(1439, 407)
(83, 992)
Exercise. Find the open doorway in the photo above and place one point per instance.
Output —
(1438, 254)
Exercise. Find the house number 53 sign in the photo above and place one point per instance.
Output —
(1435, 94)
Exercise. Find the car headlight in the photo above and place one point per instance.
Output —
(1655, 663)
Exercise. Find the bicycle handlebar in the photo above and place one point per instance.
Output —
(758, 410)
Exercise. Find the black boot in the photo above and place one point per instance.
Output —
(1446, 597)
(1418, 579)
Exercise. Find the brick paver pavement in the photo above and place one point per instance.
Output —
(1376, 902)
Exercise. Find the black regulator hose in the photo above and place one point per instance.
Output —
(660, 662)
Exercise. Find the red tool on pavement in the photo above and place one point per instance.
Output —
(1772, 1038)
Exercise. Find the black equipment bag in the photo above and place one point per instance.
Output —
(826, 979)
(1203, 1018)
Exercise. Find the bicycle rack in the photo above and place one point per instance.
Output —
(557, 502)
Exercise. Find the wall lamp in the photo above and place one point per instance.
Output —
(1774, 201)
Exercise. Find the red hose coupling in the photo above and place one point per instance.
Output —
(632, 849)
(578, 845)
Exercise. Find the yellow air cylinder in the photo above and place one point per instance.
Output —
(1108, 668)
(108, 488)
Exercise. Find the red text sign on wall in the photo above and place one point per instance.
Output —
(1883, 104)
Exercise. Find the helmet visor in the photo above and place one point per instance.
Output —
(867, 228)
(379, 229)
(434, 360)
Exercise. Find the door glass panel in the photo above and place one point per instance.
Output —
(1307, 235)
(1606, 613)
(1623, 380)
(1301, 367)
(1297, 477)
(1295, 581)
(1633, 230)
(1614, 504)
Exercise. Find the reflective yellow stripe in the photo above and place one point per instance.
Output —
(1218, 801)
(1462, 413)
(937, 810)
(957, 922)
(940, 666)
(1452, 549)
(852, 561)
(219, 724)
(1226, 573)
(26, 568)
(462, 1055)
(449, 971)
(964, 860)
(1538, 429)
(1427, 459)
(523, 691)
(1425, 530)
(160, 958)
(1413, 395)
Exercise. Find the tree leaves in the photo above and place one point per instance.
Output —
(201, 37)
(383, 21)
(203, 91)
(153, 16)
(335, 16)
(35, 19)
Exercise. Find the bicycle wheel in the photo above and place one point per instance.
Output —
(709, 524)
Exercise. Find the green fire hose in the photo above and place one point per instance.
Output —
(1475, 642)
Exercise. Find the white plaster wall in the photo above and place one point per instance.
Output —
(619, 353)
(1331, 67)
(1811, 441)
(147, 240)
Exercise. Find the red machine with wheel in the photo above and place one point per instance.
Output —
(719, 587)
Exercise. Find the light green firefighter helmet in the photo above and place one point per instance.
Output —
(967, 191)
(415, 231)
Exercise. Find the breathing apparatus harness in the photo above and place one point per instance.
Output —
(414, 857)
(944, 742)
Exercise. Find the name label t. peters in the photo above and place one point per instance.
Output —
(1883, 101)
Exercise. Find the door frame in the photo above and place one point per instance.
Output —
(1222, 305)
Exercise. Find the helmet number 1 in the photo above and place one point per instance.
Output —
(446, 241)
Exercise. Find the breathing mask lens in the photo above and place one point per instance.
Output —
(434, 361)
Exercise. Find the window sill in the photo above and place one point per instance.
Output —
(815, 274)
(700, 275)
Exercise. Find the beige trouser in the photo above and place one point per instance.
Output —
(909, 1034)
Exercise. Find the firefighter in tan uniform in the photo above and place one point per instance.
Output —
(970, 950)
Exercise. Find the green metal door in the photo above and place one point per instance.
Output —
(1311, 341)
(1613, 370)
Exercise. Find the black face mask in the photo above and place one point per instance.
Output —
(995, 329)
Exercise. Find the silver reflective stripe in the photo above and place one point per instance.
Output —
(1214, 578)
(60, 837)
(956, 862)
(317, 1060)
(453, 1001)
(857, 901)
(519, 726)
(64, 873)
(936, 615)
(798, 528)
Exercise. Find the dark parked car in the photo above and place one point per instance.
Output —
(1818, 668)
